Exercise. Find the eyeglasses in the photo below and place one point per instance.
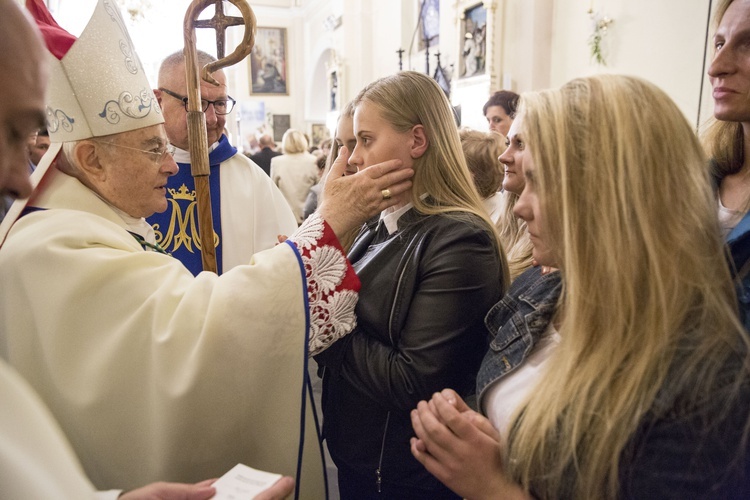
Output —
(221, 106)
(157, 154)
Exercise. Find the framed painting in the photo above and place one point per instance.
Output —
(474, 50)
(319, 133)
(280, 124)
(429, 20)
(268, 62)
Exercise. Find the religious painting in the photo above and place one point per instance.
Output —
(319, 133)
(474, 49)
(429, 22)
(333, 90)
(268, 62)
(281, 123)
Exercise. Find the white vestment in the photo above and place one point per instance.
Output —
(152, 373)
(36, 461)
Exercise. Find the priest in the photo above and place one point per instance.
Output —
(151, 372)
(249, 211)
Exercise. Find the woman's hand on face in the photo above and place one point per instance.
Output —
(460, 448)
(349, 201)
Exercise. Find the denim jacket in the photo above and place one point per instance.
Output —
(517, 323)
(739, 248)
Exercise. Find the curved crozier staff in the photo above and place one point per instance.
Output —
(196, 118)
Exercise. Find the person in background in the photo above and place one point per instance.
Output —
(311, 203)
(251, 145)
(640, 384)
(727, 138)
(267, 151)
(325, 147)
(295, 171)
(513, 232)
(248, 210)
(430, 270)
(500, 110)
(344, 137)
(40, 146)
(481, 150)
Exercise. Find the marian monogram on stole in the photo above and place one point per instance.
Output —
(183, 222)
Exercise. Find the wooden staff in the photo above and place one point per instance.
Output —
(196, 118)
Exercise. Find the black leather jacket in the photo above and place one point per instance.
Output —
(425, 292)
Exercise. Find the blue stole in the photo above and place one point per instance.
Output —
(738, 242)
(177, 227)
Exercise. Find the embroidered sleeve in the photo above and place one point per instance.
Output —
(332, 284)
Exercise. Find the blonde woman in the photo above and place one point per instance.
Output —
(430, 270)
(295, 171)
(481, 150)
(645, 393)
(728, 136)
(513, 233)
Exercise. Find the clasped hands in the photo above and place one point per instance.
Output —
(461, 448)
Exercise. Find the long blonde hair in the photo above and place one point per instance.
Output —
(514, 236)
(648, 305)
(410, 98)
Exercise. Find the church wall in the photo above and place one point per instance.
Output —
(544, 43)
(537, 44)
(661, 41)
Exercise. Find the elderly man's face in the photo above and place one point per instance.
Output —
(23, 77)
(134, 170)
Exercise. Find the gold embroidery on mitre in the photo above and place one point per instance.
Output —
(183, 224)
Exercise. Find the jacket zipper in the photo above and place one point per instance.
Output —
(378, 471)
(393, 306)
(378, 475)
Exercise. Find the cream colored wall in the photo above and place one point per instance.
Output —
(538, 44)
(661, 41)
(543, 43)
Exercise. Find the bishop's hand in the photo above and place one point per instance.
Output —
(349, 201)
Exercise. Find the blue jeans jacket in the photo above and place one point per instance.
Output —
(739, 249)
(517, 323)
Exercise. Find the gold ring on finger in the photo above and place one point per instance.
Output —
(386, 194)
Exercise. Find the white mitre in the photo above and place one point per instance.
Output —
(97, 88)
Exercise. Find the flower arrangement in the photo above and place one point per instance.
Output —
(600, 26)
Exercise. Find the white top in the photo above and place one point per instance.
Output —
(728, 218)
(505, 395)
(390, 217)
(295, 174)
(494, 205)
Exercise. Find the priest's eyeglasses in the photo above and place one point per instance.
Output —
(157, 154)
(221, 106)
